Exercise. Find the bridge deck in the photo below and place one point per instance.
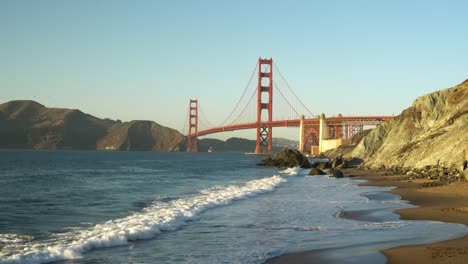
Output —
(332, 121)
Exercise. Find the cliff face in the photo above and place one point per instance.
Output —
(28, 124)
(434, 130)
(141, 135)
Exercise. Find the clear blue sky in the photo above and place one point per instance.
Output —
(145, 59)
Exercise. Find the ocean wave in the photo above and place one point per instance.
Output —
(152, 220)
(14, 238)
(299, 228)
(383, 225)
(294, 171)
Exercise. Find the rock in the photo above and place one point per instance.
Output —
(323, 165)
(267, 162)
(432, 184)
(353, 162)
(287, 158)
(316, 171)
(336, 174)
(465, 174)
(338, 162)
(431, 131)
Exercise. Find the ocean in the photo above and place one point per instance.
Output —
(147, 207)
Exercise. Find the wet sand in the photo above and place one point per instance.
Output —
(443, 203)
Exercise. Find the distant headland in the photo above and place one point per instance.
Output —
(26, 124)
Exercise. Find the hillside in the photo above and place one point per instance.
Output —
(140, 135)
(28, 124)
(241, 145)
(346, 149)
(434, 130)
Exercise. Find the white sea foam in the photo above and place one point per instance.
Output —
(160, 216)
(293, 171)
(14, 238)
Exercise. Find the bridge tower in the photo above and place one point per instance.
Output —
(192, 145)
(265, 86)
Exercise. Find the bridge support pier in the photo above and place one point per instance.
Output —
(323, 132)
(192, 142)
(301, 135)
(265, 86)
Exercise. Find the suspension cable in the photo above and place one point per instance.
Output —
(282, 95)
(287, 84)
(204, 116)
(251, 97)
(186, 118)
(243, 110)
(240, 99)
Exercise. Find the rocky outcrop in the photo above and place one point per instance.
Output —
(316, 171)
(287, 158)
(433, 131)
(322, 165)
(346, 149)
(28, 124)
(338, 162)
(336, 173)
(141, 136)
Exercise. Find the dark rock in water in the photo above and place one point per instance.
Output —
(323, 165)
(287, 158)
(336, 174)
(353, 162)
(268, 162)
(292, 158)
(339, 162)
(316, 171)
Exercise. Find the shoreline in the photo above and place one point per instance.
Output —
(448, 203)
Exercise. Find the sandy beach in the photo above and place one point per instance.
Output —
(447, 203)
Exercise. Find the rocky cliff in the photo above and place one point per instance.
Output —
(28, 124)
(140, 135)
(434, 130)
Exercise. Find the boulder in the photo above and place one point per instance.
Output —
(353, 162)
(287, 158)
(267, 162)
(292, 158)
(323, 165)
(316, 171)
(336, 174)
(339, 162)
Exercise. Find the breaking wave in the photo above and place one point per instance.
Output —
(152, 220)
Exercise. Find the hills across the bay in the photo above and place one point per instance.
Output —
(26, 124)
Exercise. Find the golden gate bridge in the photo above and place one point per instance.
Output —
(254, 110)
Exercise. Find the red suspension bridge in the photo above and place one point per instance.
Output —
(254, 110)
